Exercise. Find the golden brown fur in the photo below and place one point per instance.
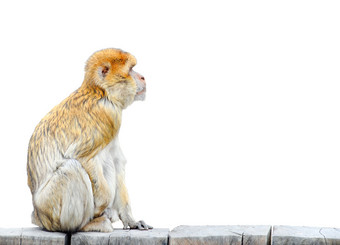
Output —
(70, 170)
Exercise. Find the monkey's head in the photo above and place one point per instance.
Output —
(112, 70)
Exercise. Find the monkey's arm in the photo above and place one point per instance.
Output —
(122, 202)
(124, 210)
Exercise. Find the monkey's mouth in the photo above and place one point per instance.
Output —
(141, 91)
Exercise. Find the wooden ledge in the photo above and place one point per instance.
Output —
(228, 235)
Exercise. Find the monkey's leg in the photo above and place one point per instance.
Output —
(101, 192)
(100, 224)
(65, 201)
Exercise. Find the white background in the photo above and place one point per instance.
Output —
(241, 124)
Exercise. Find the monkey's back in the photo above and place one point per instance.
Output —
(79, 127)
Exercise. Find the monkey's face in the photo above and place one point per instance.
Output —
(140, 83)
(113, 71)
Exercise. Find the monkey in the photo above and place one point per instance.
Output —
(75, 166)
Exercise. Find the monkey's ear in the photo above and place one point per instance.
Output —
(103, 70)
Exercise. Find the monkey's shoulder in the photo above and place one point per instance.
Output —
(80, 104)
(85, 112)
(80, 101)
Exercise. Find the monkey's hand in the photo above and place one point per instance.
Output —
(140, 225)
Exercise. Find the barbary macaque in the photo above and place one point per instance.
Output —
(75, 166)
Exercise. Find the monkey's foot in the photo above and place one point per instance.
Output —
(140, 225)
(100, 224)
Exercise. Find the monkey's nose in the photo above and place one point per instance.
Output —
(142, 78)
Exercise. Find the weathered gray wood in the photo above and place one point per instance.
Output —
(254, 235)
(10, 236)
(331, 235)
(209, 235)
(122, 237)
(230, 235)
(95, 238)
(193, 235)
(30, 236)
(295, 235)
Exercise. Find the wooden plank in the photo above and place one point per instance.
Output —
(204, 235)
(30, 236)
(10, 236)
(122, 237)
(193, 235)
(295, 235)
(227, 235)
